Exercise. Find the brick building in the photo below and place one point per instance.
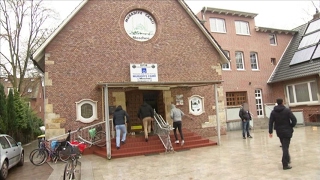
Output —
(32, 90)
(297, 77)
(254, 53)
(109, 53)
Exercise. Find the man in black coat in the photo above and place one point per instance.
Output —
(283, 121)
(146, 114)
(245, 117)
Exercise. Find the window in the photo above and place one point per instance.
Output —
(302, 93)
(236, 98)
(12, 141)
(273, 61)
(217, 25)
(239, 61)
(273, 39)
(29, 90)
(242, 28)
(254, 61)
(4, 143)
(227, 65)
(259, 104)
(86, 110)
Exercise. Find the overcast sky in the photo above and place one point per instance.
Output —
(272, 13)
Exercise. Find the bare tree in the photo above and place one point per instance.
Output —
(23, 29)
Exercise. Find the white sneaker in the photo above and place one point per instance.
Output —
(177, 142)
(182, 142)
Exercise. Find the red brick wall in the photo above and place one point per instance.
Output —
(94, 47)
(238, 80)
(308, 110)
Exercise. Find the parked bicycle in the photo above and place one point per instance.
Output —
(74, 152)
(96, 137)
(55, 152)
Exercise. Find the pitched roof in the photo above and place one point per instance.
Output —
(285, 71)
(39, 54)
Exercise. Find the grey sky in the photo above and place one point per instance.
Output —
(273, 14)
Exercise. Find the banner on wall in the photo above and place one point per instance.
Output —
(144, 72)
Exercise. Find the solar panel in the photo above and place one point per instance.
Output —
(302, 55)
(315, 25)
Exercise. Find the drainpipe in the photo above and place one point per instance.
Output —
(217, 111)
(204, 12)
(106, 113)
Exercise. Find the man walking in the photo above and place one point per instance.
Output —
(283, 121)
(146, 114)
(120, 119)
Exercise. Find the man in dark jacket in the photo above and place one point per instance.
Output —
(120, 119)
(146, 114)
(283, 121)
(245, 116)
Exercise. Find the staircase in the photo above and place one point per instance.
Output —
(136, 145)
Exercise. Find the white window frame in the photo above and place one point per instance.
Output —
(254, 61)
(259, 106)
(217, 25)
(242, 28)
(273, 36)
(227, 65)
(239, 61)
(94, 110)
(311, 101)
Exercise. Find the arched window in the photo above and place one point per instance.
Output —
(86, 110)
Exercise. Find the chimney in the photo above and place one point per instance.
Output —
(316, 15)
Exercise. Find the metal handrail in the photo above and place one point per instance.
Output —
(73, 134)
(162, 129)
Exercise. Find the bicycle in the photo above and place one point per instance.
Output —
(40, 156)
(74, 152)
(97, 137)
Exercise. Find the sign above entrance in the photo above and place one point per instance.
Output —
(139, 25)
(144, 72)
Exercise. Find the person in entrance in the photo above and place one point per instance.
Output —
(120, 119)
(146, 114)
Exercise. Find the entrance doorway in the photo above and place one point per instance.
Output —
(134, 100)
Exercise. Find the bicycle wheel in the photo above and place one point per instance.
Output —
(63, 156)
(32, 152)
(38, 157)
(68, 171)
(100, 139)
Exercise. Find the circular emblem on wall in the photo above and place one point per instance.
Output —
(140, 25)
(196, 105)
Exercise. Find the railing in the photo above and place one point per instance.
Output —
(162, 129)
(84, 132)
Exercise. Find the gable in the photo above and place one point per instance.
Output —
(38, 56)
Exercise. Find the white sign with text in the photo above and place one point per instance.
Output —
(144, 72)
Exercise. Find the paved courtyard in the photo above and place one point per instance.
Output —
(236, 158)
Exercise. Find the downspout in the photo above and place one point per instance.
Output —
(217, 111)
(203, 14)
(106, 113)
(102, 104)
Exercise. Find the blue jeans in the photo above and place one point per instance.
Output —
(120, 128)
(245, 128)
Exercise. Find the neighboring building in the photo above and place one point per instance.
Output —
(297, 76)
(109, 53)
(31, 89)
(254, 53)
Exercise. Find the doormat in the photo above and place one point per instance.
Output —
(151, 154)
(180, 150)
